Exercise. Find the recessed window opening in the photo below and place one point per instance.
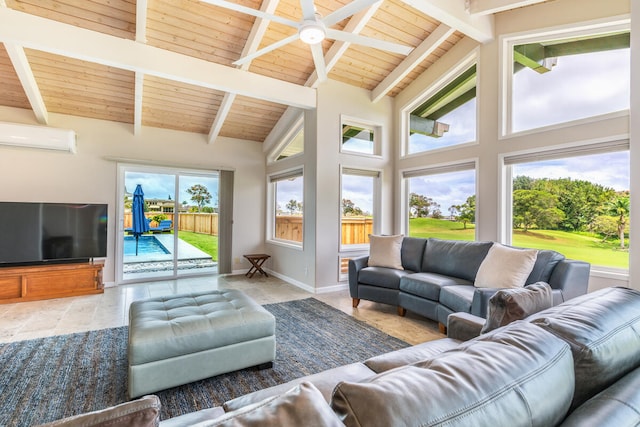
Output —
(576, 203)
(288, 215)
(441, 202)
(358, 208)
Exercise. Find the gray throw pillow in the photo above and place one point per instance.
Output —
(508, 305)
(143, 412)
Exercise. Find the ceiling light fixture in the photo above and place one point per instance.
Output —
(311, 32)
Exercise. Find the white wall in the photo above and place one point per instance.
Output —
(40, 175)
(489, 145)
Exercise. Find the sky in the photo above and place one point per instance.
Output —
(161, 186)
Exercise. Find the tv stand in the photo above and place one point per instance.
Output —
(38, 282)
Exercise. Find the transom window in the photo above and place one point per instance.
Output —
(447, 117)
(558, 80)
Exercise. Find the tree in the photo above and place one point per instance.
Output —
(199, 195)
(468, 211)
(535, 208)
(293, 206)
(349, 208)
(453, 210)
(606, 226)
(619, 207)
(419, 205)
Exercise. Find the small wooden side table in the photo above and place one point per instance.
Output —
(256, 261)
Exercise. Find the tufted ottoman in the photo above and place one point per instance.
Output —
(178, 339)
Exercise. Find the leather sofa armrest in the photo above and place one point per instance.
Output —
(571, 277)
(480, 302)
(464, 326)
(355, 265)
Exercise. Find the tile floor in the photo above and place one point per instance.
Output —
(27, 320)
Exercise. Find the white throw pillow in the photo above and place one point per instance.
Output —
(384, 251)
(505, 267)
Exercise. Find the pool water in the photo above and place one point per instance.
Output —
(147, 245)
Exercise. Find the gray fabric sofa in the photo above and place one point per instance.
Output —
(574, 364)
(438, 278)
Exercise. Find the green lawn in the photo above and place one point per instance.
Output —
(204, 242)
(582, 246)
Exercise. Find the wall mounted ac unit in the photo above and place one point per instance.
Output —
(37, 137)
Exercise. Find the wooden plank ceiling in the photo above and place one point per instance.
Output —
(53, 82)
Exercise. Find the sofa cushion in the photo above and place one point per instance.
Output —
(302, 405)
(603, 330)
(457, 298)
(505, 267)
(385, 251)
(408, 355)
(508, 305)
(504, 378)
(455, 258)
(382, 277)
(143, 412)
(616, 406)
(428, 285)
(545, 263)
(412, 252)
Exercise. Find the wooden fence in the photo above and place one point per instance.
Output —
(355, 230)
(202, 223)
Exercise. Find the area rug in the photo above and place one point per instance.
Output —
(46, 379)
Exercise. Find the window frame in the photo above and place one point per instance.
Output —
(366, 124)
(506, 160)
(272, 206)
(406, 174)
(439, 84)
(376, 207)
(506, 59)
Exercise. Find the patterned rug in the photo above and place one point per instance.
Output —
(46, 379)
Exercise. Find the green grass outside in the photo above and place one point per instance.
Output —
(581, 246)
(204, 242)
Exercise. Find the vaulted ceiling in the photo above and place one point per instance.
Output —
(169, 63)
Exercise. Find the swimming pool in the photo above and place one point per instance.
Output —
(147, 245)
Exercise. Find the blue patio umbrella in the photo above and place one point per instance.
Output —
(139, 224)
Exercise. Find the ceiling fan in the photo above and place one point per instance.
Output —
(313, 29)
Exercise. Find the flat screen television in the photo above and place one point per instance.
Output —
(37, 233)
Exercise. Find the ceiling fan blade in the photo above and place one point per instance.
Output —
(346, 11)
(253, 12)
(368, 41)
(266, 49)
(318, 60)
(308, 9)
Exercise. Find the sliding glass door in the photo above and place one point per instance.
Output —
(182, 209)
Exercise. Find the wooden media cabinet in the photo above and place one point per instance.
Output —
(38, 282)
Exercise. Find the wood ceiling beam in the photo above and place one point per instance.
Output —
(454, 14)
(253, 43)
(488, 7)
(419, 54)
(58, 38)
(25, 75)
(23, 70)
(141, 37)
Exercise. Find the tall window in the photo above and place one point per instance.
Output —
(558, 80)
(574, 201)
(447, 117)
(359, 194)
(441, 202)
(288, 213)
